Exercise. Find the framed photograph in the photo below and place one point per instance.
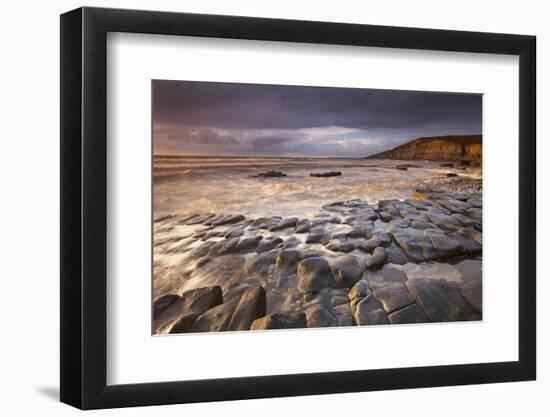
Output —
(256, 208)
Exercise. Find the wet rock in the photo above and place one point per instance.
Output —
(248, 244)
(409, 314)
(385, 217)
(229, 219)
(200, 218)
(417, 246)
(163, 303)
(444, 221)
(440, 300)
(303, 226)
(179, 325)
(396, 255)
(288, 259)
(263, 264)
(269, 244)
(234, 232)
(339, 246)
(314, 274)
(475, 213)
(364, 317)
(471, 234)
(216, 319)
(347, 271)
(359, 291)
(445, 246)
(420, 224)
(338, 300)
(325, 174)
(393, 296)
(377, 258)
(466, 221)
(291, 242)
(472, 292)
(280, 321)
(195, 301)
(223, 247)
(318, 235)
(270, 174)
(320, 316)
(471, 247)
(360, 231)
(268, 222)
(370, 245)
(251, 306)
(284, 223)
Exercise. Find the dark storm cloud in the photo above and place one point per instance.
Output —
(268, 118)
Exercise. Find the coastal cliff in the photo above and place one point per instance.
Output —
(439, 148)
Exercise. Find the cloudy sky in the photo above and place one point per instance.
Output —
(203, 118)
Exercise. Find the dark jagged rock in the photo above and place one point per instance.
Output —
(216, 319)
(440, 300)
(303, 226)
(181, 325)
(314, 274)
(195, 301)
(251, 306)
(347, 271)
(263, 264)
(325, 174)
(472, 291)
(268, 244)
(408, 315)
(320, 316)
(163, 303)
(393, 296)
(377, 258)
(284, 223)
(288, 259)
(280, 321)
(270, 174)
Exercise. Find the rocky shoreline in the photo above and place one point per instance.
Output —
(416, 260)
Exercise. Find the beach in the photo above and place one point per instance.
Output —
(247, 243)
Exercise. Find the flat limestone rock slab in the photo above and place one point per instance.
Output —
(440, 300)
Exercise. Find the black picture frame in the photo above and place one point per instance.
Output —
(84, 207)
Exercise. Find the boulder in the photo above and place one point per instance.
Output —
(472, 292)
(314, 274)
(280, 321)
(195, 301)
(263, 264)
(284, 224)
(339, 246)
(270, 174)
(288, 259)
(179, 325)
(440, 300)
(325, 174)
(445, 246)
(303, 226)
(409, 314)
(320, 316)
(393, 296)
(162, 303)
(377, 258)
(347, 271)
(247, 244)
(251, 306)
(268, 244)
(216, 319)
